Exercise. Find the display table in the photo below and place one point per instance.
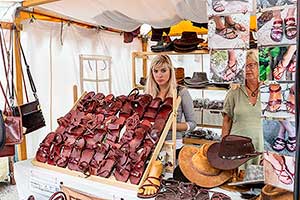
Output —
(41, 183)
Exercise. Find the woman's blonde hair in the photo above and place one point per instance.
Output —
(252, 54)
(152, 87)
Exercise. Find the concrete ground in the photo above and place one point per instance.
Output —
(8, 192)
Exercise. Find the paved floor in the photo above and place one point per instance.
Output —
(8, 192)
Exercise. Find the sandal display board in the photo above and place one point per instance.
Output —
(106, 138)
(277, 30)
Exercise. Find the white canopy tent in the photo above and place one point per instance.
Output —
(52, 49)
(129, 15)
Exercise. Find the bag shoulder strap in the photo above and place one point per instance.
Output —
(33, 88)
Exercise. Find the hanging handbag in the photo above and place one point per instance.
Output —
(32, 116)
(5, 150)
(13, 124)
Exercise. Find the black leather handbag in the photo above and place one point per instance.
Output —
(32, 116)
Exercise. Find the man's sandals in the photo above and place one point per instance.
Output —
(230, 71)
(275, 98)
(279, 144)
(290, 27)
(218, 6)
(291, 144)
(235, 26)
(227, 33)
(277, 30)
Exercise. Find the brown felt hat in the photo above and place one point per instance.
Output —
(195, 167)
(273, 193)
(188, 39)
(197, 79)
(231, 152)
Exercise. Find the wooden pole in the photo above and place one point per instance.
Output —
(144, 49)
(22, 151)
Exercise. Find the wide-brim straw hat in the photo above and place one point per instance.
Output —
(195, 167)
(270, 192)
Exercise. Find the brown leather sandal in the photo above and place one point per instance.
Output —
(274, 102)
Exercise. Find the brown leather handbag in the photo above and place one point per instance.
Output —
(5, 150)
(13, 124)
(31, 113)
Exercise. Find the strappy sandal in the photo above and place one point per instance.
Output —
(290, 105)
(218, 6)
(220, 196)
(290, 27)
(291, 144)
(283, 174)
(226, 32)
(292, 65)
(279, 70)
(230, 70)
(278, 144)
(151, 183)
(277, 30)
(274, 102)
(236, 26)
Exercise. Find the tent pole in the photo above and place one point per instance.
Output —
(297, 96)
(22, 151)
(29, 3)
(144, 49)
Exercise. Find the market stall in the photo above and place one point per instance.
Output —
(100, 46)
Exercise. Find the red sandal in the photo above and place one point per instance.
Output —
(278, 71)
(290, 27)
(277, 30)
(290, 104)
(292, 65)
(272, 101)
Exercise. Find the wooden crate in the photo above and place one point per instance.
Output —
(111, 180)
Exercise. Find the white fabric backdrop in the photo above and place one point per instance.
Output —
(42, 45)
(130, 15)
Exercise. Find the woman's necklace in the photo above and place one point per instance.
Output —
(253, 92)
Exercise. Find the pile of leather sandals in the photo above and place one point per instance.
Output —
(107, 135)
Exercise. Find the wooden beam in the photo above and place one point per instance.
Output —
(31, 3)
(7, 25)
(46, 15)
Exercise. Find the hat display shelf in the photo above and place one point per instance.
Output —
(111, 180)
(212, 115)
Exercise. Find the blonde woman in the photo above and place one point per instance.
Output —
(242, 106)
(161, 82)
